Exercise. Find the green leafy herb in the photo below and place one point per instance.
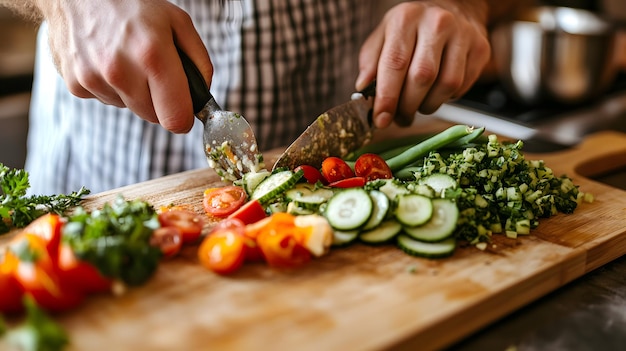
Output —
(17, 209)
(116, 239)
(38, 332)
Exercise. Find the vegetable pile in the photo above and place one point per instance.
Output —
(424, 193)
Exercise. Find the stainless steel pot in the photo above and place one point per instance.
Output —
(555, 54)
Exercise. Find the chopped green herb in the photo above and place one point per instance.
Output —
(17, 209)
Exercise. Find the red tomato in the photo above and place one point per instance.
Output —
(354, 182)
(252, 211)
(334, 169)
(372, 166)
(38, 276)
(80, 275)
(11, 300)
(311, 174)
(221, 202)
(48, 228)
(168, 239)
(222, 251)
(189, 223)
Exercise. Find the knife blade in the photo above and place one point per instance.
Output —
(336, 132)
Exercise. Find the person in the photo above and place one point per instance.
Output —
(280, 63)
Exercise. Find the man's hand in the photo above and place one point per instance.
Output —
(123, 53)
(422, 54)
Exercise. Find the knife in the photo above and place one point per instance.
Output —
(336, 132)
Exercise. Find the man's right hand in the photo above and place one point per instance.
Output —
(123, 53)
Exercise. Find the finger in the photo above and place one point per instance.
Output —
(188, 40)
(450, 79)
(397, 52)
(86, 82)
(477, 59)
(421, 75)
(368, 58)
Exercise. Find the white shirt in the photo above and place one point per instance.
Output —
(278, 62)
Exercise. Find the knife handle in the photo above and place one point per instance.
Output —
(369, 90)
(200, 94)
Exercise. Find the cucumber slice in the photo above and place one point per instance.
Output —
(383, 233)
(439, 182)
(275, 184)
(307, 196)
(379, 211)
(392, 189)
(440, 226)
(342, 238)
(251, 180)
(423, 249)
(349, 209)
(413, 209)
(294, 209)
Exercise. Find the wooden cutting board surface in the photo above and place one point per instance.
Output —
(359, 297)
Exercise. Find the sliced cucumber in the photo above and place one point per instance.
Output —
(383, 233)
(439, 182)
(275, 184)
(440, 226)
(413, 209)
(349, 209)
(424, 249)
(392, 188)
(294, 209)
(379, 211)
(251, 180)
(308, 196)
(342, 238)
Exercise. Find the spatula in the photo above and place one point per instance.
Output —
(229, 142)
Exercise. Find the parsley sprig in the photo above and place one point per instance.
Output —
(17, 209)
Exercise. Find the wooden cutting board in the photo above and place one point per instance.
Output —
(359, 297)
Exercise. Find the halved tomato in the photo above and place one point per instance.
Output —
(311, 174)
(11, 300)
(48, 228)
(168, 239)
(251, 212)
(334, 169)
(372, 166)
(189, 223)
(221, 202)
(222, 251)
(354, 182)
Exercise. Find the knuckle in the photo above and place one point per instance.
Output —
(424, 74)
(396, 59)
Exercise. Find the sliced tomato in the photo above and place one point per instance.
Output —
(251, 212)
(79, 274)
(38, 275)
(372, 166)
(189, 223)
(10, 291)
(353, 182)
(222, 251)
(221, 202)
(311, 174)
(48, 228)
(168, 239)
(334, 169)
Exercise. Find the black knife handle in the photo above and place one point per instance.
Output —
(369, 90)
(200, 94)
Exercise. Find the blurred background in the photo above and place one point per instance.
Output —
(17, 53)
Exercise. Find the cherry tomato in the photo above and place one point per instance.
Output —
(252, 211)
(79, 274)
(222, 202)
(189, 223)
(168, 239)
(334, 169)
(222, 251)
(353, 182)
(38, 275)
(372, 166)
(48, 228)
(311, 174)
(11, 300)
